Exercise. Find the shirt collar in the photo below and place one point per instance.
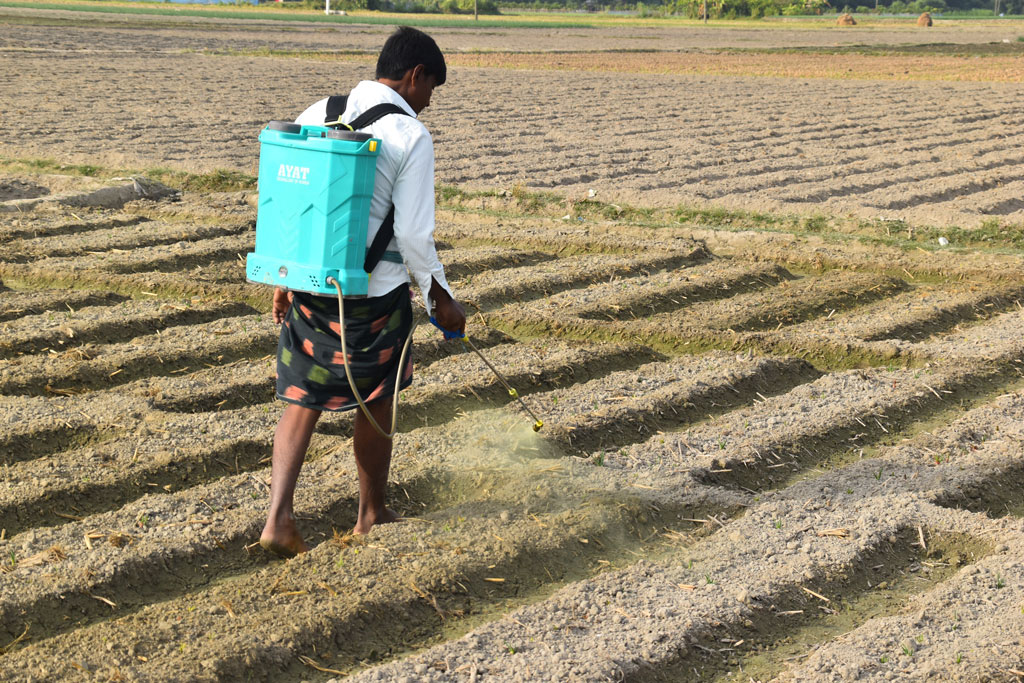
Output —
(378, 92)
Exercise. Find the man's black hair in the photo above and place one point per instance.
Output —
(404, 49)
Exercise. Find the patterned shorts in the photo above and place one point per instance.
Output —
(310, 366)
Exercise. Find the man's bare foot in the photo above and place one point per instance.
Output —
(367, 521)
(283, 540)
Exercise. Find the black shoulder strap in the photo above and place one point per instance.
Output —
(380, 242)
(335, 108)
(375, 113)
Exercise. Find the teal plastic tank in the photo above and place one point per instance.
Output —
(315, 188)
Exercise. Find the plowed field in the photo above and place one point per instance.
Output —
(645, 115)
(765, 456)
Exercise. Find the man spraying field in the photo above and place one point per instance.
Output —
(311, 366)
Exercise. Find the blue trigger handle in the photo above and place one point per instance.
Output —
(448, 334)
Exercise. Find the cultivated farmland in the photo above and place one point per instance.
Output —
(792, 452)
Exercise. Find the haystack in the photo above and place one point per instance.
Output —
(846, 20)
(924, 20)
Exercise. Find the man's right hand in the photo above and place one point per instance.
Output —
(282, 300)
(447, 311)
(450, 315)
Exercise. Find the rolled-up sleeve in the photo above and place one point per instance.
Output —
(413, 197)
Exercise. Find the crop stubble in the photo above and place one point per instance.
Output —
(748, 440)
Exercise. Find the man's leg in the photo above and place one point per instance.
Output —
(280, 534)
(373, 460)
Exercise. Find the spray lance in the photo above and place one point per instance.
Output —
(315, 188)
(461, 336)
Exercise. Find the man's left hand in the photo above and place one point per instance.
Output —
(282, 300)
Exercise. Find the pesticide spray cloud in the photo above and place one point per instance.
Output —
(495, 457)
(498, 439)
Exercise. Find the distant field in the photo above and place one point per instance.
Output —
(749, 118)
(508, 19)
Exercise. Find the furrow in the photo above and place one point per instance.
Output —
(652, 294)
(922, 172)
(158, 547)
(39, 226)
(842, 545)
(717, 324)
(491, 289)
(462, 263)
(626, 407)
(91, 367)
(1003, 200)
(956, 188)
(998, 340)
(167, 258)
(565, 239)
(815, 174)
(446, 387)
(248, 382)
(997, 492)
(787, 303)
(107, 324)
(965, 629)
(115, 240)
(983, 451)
(886, 583)
(29, 437)
(929, 317)
(22, 303)
(51, 490)
(751, 175)
(971, 462)
(758, 447)
(917, 314)
(225, 280)
(462, 383)
(176, 535)
(150, 549)
(36, 426)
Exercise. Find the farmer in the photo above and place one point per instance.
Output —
(310, 367)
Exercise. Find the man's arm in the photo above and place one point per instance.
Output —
(413, 196)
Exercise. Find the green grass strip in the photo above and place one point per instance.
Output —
(276, 14)
(221, 180)
(992, 235)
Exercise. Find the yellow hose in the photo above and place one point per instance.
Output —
(348, 371)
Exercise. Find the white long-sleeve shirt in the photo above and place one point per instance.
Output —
(405, 178)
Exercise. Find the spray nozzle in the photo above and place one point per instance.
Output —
(537, 425)
(513, 393)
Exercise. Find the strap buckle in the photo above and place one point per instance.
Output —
(339, 122)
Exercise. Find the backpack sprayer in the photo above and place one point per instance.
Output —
(315, 187)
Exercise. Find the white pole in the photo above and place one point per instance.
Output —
(327, 7)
